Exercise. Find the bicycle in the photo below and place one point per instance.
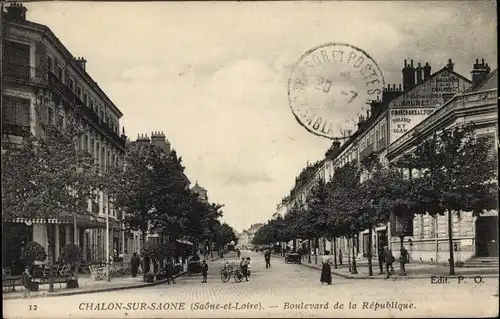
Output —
(225, 274)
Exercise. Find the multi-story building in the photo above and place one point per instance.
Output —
(388, 131)
(39, 74)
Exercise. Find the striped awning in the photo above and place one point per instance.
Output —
(82, 221)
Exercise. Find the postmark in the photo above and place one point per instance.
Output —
(330, 85)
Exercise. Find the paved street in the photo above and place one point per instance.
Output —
(270, 293)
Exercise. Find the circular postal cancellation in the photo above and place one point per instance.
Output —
(330, 85)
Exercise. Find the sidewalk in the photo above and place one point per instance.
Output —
(87, 285)
(413, 270)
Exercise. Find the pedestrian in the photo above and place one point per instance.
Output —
(340, 257)
(238, 253)
(135, 262)
(27, 282)
(267, 257)
(381, 260)
(169, 271)
(244, 267)
(204, 271)
(326, 271)
(248, 267)
(389, 259)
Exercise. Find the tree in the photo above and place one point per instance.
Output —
(317, 208)
(458, 173)
(225, 234)
(47, 176)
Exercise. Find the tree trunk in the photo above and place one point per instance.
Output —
(316, 251)
(51, 255)
(335, 252)
(143, 235)
(349, 252)
(309, 250)
(354, 269)
(402, 270)
(295, 244)
(450, 242)
(370, 255)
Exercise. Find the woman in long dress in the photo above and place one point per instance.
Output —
(326, 271)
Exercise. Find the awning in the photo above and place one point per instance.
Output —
(82, 221)
(183, 241)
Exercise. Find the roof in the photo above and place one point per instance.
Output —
(490, 82)
(198, 188)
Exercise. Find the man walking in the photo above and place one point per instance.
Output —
(244, 267)
(170, 273)
(267, 257)
(135, 262)
(381, 260)
(389, 259)
(204, 271)
(340, 257)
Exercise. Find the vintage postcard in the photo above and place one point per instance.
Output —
(195, 159)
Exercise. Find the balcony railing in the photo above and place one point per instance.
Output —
(23, 73)
(16, 130)
(65, 91)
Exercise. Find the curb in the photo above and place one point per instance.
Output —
(396, 277)
(91, 291)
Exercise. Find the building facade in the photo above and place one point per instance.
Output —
(387, 131)
(41, 78)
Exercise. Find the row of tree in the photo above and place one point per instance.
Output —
(50, 175)
(451, 172)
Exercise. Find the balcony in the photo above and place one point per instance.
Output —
(366, 152)
(88, 113)
(23, 74)
(16, 130)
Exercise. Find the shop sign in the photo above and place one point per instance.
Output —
(403, 120)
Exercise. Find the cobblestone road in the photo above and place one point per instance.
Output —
(272, 293)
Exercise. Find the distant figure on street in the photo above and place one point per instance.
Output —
(389, 260)
(267, 257)
(135, 262)
(248, 267)
(204, 271)
(326, 271)
(340, 257)
(238, 253)
(27, 282)
(244, 267)
(169, 271)
(381, 260)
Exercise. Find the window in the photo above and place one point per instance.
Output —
(16, 111)
(50, 64)
(421, 226)
(60, 120)
(92, 147)
(72, 84)
(79, 92)
(51, 116)
(433, 226)
(85, 99)
(60, 73)
(103, 158)
(91, 104)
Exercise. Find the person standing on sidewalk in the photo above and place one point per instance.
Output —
(389, 259)
(381, 260)
(326, 271)
(204, 271)
(340, 257)
(267, 257)
(135, 262)
(170, 272)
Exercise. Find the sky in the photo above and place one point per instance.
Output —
(213, 76)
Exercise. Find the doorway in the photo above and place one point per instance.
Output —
(487, 236)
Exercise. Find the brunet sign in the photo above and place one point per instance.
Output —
(432, 92)
(411, 108)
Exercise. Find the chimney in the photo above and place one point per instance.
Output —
(427, 71)
(419, 73)
(375, 106)
(450, 65)
(16, 12)
(334, 150)
(408, 75)
(143, 139)
(81, 62)
(158, 139)
(479, 71)
(361, 121)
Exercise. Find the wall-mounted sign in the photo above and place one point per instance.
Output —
(403, 120)
(434, 91)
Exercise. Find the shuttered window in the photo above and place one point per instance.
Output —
(16, 111)
(16, 60)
